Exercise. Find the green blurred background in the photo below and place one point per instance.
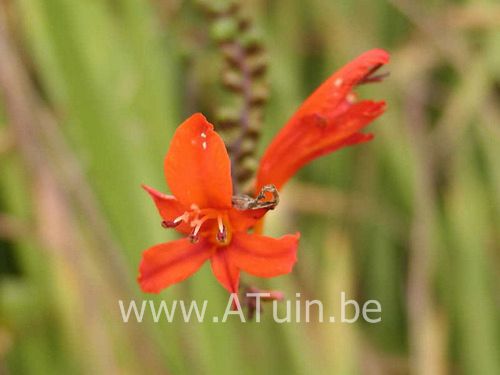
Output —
(90, 94)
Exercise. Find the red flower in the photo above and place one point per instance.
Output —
(198, 172)
(331, 118)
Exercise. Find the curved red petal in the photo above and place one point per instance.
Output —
(326, 121)
(197, 166)
(332, 92)
(226, 272)
(264, 256)
(168, 207)
(169, 263)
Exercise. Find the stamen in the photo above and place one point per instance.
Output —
(195, 219)
(219, 222)
(222, 233)
(193, 236)
(197, 223)
(169, 224)
(174, 223)
(221, 236)
(374, 78)
(371, 77)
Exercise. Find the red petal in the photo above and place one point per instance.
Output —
(325, 122)
(197, 166)
(225, 271)
(332, 93)
(169, 263)
(168, 207)
(241, 220)
(318, 139)
(264, 256)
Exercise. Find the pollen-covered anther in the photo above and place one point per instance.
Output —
(167, 224)
(221, 235)
(194, 236)
(196, 224)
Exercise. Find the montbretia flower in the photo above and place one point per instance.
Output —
(331, 118)
(198, 172)
(215, 222)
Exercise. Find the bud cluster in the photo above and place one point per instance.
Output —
(243, 75)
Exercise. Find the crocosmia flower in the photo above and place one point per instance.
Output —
(331, 118)
(216, 224)
(198, 172)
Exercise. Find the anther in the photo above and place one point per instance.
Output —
(170, 223)
(194, 237)
(221, 235)
(371, 77)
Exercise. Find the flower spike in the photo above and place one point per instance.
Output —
(215, 223)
